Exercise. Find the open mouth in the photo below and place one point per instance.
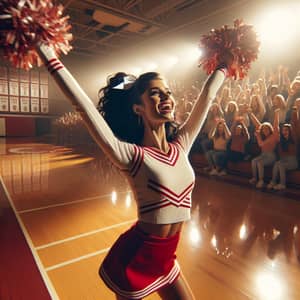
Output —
(165, 107)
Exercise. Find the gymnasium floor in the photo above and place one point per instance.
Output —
(240, 243)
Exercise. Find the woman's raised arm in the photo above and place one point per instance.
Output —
(120, 153)
(191, 128)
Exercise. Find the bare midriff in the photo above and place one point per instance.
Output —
(161, 230)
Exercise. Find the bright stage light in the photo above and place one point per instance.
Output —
(194, 53)
(243, 232)
(278, 27)
(213, 241)
(151, 67)
(114, 197)
(195, 236)
(171, 61)
(269, 286)
(135, 71)
(128, 200)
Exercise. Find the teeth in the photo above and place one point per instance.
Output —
(165, 106)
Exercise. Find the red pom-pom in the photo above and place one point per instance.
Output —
(240, 42)
(33, 21)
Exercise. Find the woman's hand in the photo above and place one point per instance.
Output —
(257, 132)
(227, 58)
(277, 111)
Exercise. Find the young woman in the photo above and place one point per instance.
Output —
(224, 98)
(215, 113)
(267, 138)
(133, 130)
(288, 158)
(257, 107)
(278, 103)
(239, 138)
(217, 158)
(287, 153)
(231, 113)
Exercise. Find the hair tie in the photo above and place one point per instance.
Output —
(125, 83)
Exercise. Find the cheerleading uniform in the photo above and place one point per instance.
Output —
(139, 264)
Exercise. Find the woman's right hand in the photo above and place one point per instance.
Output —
(227, 58)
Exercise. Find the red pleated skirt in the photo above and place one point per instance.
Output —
(139, 264)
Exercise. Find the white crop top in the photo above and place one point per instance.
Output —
(162, 182)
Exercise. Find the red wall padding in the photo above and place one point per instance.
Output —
(18, 126)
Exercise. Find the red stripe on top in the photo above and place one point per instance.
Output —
(154, 208)
(51, 61)
(153, 203)
(171, 198)
(176, 142)
(170, 159)
(137, 160)
(58, 68)
(155, 184)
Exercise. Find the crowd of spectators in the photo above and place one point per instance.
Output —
(255, 120)
(69, 130)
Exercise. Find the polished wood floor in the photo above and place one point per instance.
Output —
(240, 243)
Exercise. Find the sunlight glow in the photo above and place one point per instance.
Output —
(151, 67)
(214, 241)
(195, 236)
(128, 200)
(171, 61)
(114, 197)
(243, 232)
(135, 71)
(269, 286)
(278, 26)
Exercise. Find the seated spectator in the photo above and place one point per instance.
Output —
(236, 91)
(217, 158)
(267, 138)
(243, 113)
(231, 113)
(293, 94)
(257, 107)
(278, 102)
(239, 138)
(288, 157)
(296, 123)
(215, 113)
(272, 91)
(224, 98)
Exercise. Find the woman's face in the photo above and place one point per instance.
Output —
(226, 92)
(214, 109)
(266, 130)
(238, 130)
(220, 128)
(273, 92)
(275, 102)
(231, 108)
(255, 88)
(285, 132)
(158, 104)
(254, 104)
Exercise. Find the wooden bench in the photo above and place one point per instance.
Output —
(243, 169)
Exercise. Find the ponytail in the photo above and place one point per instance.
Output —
(116, 102)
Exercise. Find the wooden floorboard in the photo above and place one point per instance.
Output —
(240, 243)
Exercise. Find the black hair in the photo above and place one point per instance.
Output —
(116, 107)
(284, 143)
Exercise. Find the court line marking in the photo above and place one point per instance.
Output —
(84, 234)
(71, 261)
(35, 255)
(68, 203)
